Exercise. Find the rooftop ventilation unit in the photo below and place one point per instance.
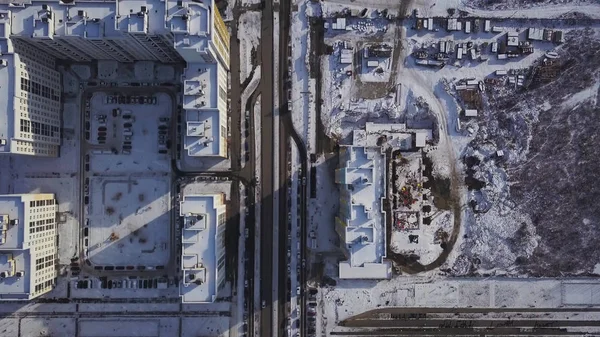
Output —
(180, 4)
(144, 9)
(44, 7)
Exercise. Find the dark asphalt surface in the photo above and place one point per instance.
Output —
(266, 176)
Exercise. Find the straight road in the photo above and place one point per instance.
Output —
(266, 179)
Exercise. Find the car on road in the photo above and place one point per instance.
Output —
(303, 180)
(298, 291)
(247, 232)
(263, 304)
(245, 283)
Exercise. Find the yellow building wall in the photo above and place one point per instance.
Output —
(221, 38)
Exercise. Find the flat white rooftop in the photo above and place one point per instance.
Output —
(202, 137)
(395, 135)
(364, 174)
(199, 248)
(12, 255)
(200, 86)
(99, 19)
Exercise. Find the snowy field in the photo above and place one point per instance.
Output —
(129, 221)
(129, 211)
(324, 208)
(303, 86)
(350, 298)
(249, 34)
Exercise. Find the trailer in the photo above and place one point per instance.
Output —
(468, 27)
(372, 64)
(459, 54)
(487, 26)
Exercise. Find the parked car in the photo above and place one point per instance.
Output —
(127, 125)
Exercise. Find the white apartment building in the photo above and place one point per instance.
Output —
(203, 247)
(31, 89)
(164, 31)
(28, 245)
(361, 219)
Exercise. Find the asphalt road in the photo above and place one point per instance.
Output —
(266, 178)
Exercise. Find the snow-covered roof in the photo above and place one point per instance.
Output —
(111, 18)
(15, 255)
(470, 112)
(420, 138)
(202, 133)
(199, 236)
(535, 33)
(362, 173)
(396, 135)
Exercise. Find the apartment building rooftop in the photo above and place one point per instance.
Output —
(363, 174)
(97, 19)
(16, 269)
(199, 262)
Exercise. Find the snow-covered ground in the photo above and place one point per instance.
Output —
(350, 298)
(129, 221)
(129, 208)
(249, 35)
(428, 8)
(324, 208)
(303, 87)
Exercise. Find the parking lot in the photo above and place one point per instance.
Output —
(127, 181)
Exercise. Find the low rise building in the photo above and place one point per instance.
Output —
(203, 247)
(28, 245)
(535, 34)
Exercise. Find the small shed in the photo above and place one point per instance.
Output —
(470, 112)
